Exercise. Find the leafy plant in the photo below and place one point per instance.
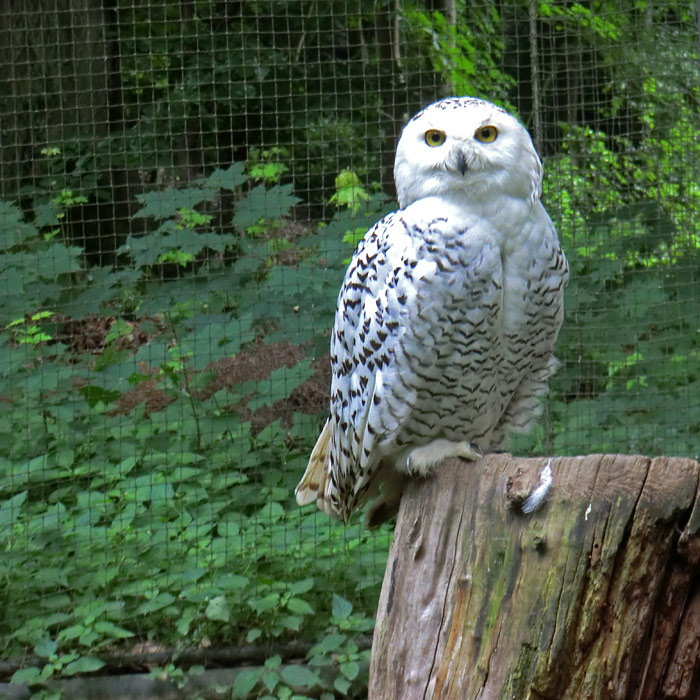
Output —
(168, 514)
(29, 331)
(175, 674)
(267, 164)
(466, 56)
(339, 665)
(348, 191)
(56, 664)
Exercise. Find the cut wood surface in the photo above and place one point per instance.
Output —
(595, 595)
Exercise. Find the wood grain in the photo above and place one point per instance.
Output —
(596, 595)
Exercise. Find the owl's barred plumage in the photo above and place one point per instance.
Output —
(448, 314)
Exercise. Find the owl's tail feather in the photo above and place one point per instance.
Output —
(312, 486)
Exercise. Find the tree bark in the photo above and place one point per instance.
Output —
(53, 89)
(595, 595)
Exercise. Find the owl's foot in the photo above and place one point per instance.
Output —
(422, 459)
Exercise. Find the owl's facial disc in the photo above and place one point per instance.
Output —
(466, 148)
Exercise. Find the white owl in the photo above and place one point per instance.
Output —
(448, 314)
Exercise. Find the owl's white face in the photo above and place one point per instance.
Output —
(466, 148)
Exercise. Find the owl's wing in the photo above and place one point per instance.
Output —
(368, 325)
(376, 303)
(387, 326)
(536, 276)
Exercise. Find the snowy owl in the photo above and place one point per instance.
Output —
(446, 320)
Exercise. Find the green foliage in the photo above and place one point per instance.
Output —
(55, 664)
(633, 386)
(29, 330)
(349, 192)
(467, 56)
(599, 176)
(576, 15)
(175, 674)
(177, 521)
(631, 354)
(266, 165)
(339, 666)
(275, 202)
(37, 272)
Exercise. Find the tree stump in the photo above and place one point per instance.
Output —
(595, 595)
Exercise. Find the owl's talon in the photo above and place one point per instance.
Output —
(421, 460)
(471, 451)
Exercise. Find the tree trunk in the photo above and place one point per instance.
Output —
(53, 89)
(595, 595)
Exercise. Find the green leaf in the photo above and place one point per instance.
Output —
(291, 622)
(218, 336)
(160, 601)
(270, 679)
(331, 642)
(342, 685)
(85, 664)
(45, 648)
(96, 394)
(218, 609)
(112, 630)
(13, 230)
(186, 240)
(161, 205)
(58, 260)
(71, 632)
(10, 509)
(341, 607)
(303, 586)
(350, 669)
(299, 677)
(264, 604)
(245, 682)
(270, 513)
(228, 179)
(253, 634)
(262, 203)
(299, 607)
(232, 582)
(47, 214)
(29, 676)
(217, 241)
(273, 662)
(280, 384)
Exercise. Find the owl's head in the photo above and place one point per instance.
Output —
(467, 148)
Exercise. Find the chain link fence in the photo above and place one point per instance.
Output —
(181, 186)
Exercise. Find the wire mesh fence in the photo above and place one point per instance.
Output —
(181, 187)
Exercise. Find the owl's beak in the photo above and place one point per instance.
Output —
(460, 160)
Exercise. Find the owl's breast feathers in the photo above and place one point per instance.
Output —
(444, 329)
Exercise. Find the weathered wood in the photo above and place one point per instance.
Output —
(596, 595)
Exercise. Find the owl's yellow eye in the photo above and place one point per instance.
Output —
(486, 134)
(435, 137)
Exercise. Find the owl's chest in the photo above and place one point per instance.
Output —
(482, 314)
